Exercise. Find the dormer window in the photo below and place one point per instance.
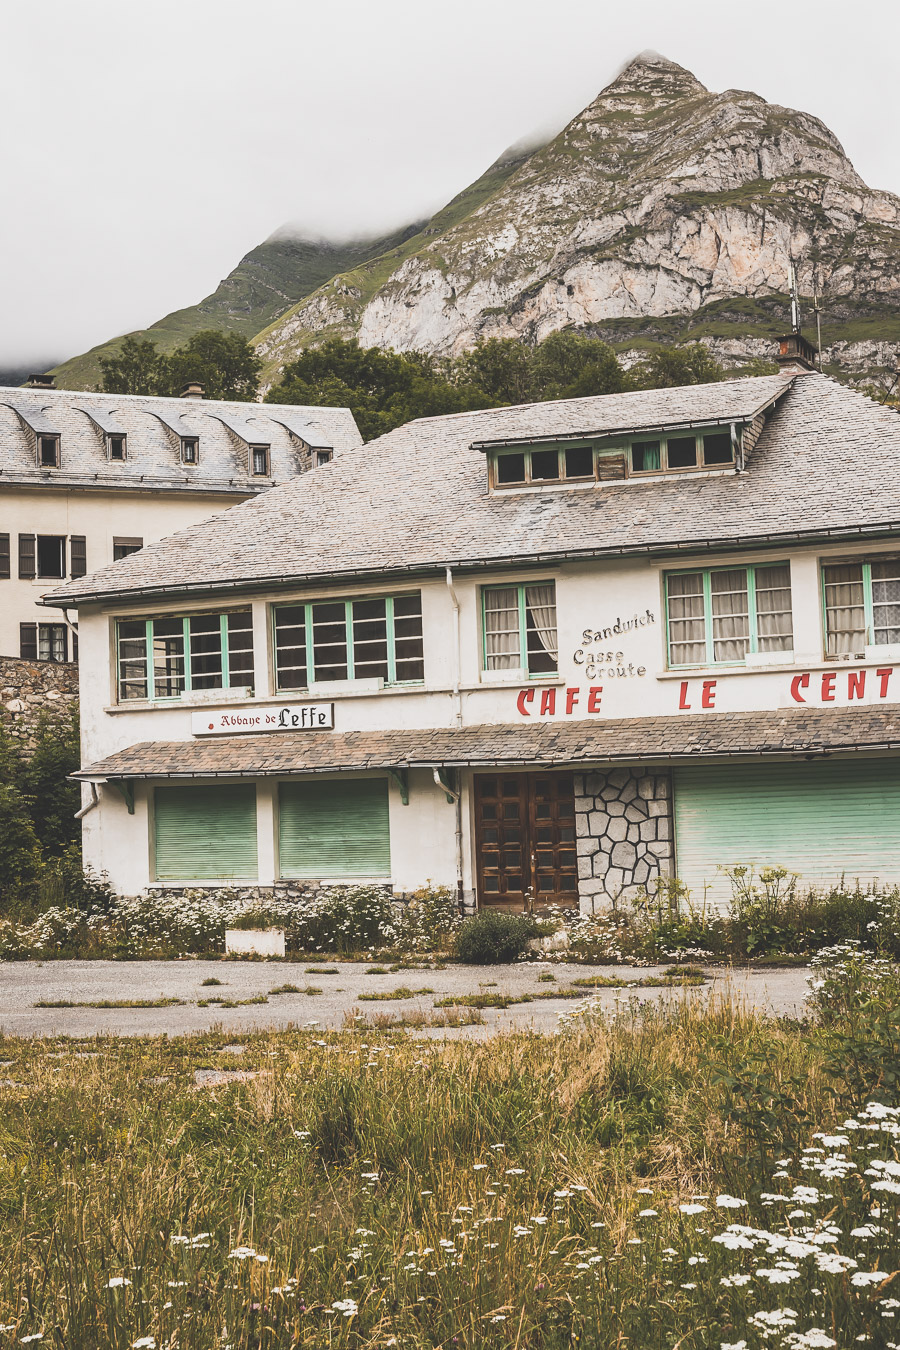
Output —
(550, 464)
(608, 458)
(115, 447)
(682, 450)
(190, 450)
(323, 457)
(259, 461)
(48, 452)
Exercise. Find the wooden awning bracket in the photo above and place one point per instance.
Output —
(126, 787)
(401, 778)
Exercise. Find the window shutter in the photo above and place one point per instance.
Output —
(28, 641)
(27, 547)
(336, 829)
(78, 555)
(4, 556)
(206, 833)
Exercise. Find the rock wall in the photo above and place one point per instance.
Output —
(28, 688)
(623, 832)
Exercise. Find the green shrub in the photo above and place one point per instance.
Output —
(492, 937)
(20, 852)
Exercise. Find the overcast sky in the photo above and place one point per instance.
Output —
(151, 143)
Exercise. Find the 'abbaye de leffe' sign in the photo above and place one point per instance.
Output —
(285, 717)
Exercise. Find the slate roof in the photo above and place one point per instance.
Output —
(153, 426)
(632, 739)
(417, 499)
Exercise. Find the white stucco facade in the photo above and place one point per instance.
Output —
(612, 665)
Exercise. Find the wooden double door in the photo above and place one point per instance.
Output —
(525, 839)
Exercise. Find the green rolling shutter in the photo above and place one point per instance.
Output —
(823, 819)
(206, 833)
(335, 829)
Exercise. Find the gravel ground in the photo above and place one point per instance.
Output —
(25, 983)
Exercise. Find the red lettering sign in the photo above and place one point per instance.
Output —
(797, 683)
(709, 694)
(525, 696)
(548, 701)
(594, 695)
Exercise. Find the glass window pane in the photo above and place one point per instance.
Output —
(645, 456)
(168, 657)
(206, 651)
(370, 641)
(501, 628)
(687, 619)
(681, 452)
(886, 600)
(511, 468)
(290, 646)
(408, 647)
(132, 659)
(717, 449)
(774, 625)
(730, 614)
(330, 641)
(544, 465)
(540, 628)
(579, 462)
(240, 648)
(51, 642)
(845, 613)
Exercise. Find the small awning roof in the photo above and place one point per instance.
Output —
(297, 426)
(800, 731)
(250, 432)
(36, 418)
(172, 420)
(105, 420)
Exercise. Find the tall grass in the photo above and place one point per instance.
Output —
(373, 1189)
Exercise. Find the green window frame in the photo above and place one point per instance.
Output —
(721, 615)
(673, 453)
(860, 604)
(519, 629)
(161, 658)
(360, 638)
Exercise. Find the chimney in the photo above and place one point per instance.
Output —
(795, 354)
(39, 382)
(192, 390)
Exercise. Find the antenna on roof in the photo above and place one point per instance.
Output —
(795, 298)
(818, 313)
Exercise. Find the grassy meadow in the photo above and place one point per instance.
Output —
(634, 1181)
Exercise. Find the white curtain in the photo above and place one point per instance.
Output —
(501, 628)
(541, 601)
(845, 609)
(730, 615)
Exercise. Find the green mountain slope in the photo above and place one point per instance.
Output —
(266, 283)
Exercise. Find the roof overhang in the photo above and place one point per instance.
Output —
(280, 581)
(795, 732)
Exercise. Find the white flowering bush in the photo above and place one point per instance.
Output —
(339, 919)
(847, 977)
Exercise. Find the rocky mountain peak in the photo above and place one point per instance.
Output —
(654, 76)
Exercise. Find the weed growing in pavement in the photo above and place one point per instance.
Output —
(389, 995)
(114, 1003)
